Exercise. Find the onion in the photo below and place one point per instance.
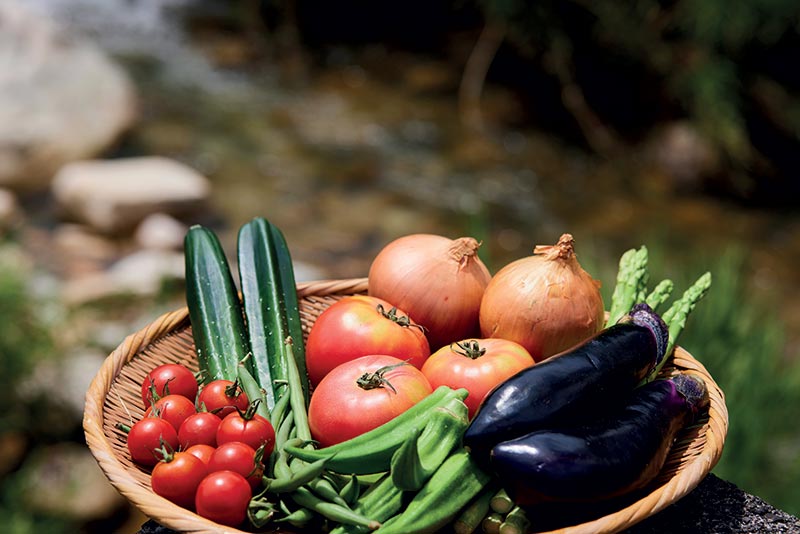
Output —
(437, 281)
(545, 302)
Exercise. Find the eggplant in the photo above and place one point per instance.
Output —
(613, 456)
(571, 386)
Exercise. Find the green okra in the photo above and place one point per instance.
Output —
(418, 458)
(470, 518)
(372, 451)
(457, 481)
(380, 502)
(515, 522)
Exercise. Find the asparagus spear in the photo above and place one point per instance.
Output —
(660, 294)
(676, 315)
(632, 278)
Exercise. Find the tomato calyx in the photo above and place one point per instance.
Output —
(377, 379)
(250, 412)
(165, 452)
(402, 320)
(469, 349)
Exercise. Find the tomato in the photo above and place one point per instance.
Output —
(477, 365)
(240, 458)
(166, 379)
(222, 397)
(177, 476)
(172, 408)
(199, 427)
(362, 394)
(202, 451)
(148, 435)
(249, 428)
(223, 496)
(359, 325)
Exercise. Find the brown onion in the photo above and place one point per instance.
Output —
(545, 302)
(438, 281)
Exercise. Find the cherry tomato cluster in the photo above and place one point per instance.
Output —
(205, 443)
(355, 354)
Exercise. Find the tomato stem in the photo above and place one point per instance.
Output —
(469, 348)
(402, 320)
(377, 379)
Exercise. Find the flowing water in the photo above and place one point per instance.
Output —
(368, 145)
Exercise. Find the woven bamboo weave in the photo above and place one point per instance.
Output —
(114, 397)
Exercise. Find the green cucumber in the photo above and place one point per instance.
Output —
(218, 329)
(271, 306)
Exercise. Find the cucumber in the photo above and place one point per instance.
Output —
(271, 306)
(215, 311)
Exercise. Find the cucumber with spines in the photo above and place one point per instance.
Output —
(215, 311)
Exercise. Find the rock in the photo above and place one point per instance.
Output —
(65, 480)
(64, 381)
(81, 251)
(140, 274)
(113, 196)
(61, 98)
(9, 211)
(160, 231)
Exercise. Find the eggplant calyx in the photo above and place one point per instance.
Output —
(694, 391)
(644, 315)
(469, 349)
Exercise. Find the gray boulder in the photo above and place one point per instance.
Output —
(61, 98)
(114, 196)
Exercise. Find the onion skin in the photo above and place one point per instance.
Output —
(438, 281)
(545, 302)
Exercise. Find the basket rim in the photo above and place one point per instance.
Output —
(186, 521)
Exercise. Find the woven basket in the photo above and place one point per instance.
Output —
(114, 397)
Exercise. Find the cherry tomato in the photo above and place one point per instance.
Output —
(172, 408)
(148, 435)
(249, 428)
(359, 326)
(222, 397)
(223, 496)
(362, 394)
(166, 379)
(202, 451)
(477, 365)
(240, 458)
(199, 427)
(177, 476)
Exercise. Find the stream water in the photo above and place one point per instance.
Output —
(369, 145)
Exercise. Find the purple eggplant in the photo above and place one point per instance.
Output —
(613, 456)
(573, 385)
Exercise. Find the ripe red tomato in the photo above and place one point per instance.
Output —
(166, 379)
(200, 427)
(172, 408)
(359, 326)
(240, 458)
(362, 394)
(203, 452)
(146, 436)
(249, 428)
(177, 476)
(477, 365)
(223, 496)
(222, 397)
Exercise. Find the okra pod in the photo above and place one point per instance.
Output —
(372, 451)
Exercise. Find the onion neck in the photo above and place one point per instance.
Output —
(563, 250)
(462, 249)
